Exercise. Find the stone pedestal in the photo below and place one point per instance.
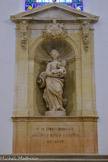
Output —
(55, 135)
(55, 113)
(54, 157)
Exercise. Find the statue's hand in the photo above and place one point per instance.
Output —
(60, 74)
(41, 82)
(48, 73)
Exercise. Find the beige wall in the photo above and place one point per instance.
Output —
(7, 63)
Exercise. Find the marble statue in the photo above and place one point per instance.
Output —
(52, 80)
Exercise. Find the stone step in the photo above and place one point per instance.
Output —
(54, 158)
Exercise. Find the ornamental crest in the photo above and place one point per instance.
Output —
(54, 30)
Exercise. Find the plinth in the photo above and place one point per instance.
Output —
(55, 113)
(55, 135)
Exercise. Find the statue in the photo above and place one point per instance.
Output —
(52, 80)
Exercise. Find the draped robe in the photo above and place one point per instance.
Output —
(53, 88)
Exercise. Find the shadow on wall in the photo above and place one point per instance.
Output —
(69, 90)
(40, 104)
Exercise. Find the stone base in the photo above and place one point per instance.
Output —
(55, 113)
(54, 157)
(55, 135)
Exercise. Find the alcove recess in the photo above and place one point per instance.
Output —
(41, 58)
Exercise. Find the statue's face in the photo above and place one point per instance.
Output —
(54, 54)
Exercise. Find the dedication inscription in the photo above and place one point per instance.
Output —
(60, 137)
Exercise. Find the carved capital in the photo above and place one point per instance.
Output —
(54, 30)
(23, 33)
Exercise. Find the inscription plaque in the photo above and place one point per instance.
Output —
(55, 139)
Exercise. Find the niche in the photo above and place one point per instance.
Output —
(42, 57)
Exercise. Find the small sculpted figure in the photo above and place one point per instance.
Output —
(60, 70)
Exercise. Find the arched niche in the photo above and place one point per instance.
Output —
(40, 55)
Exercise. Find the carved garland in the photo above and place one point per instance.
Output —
(23, 33)
(85, 34)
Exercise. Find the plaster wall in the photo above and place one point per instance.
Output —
(99, 7)
(7, 68)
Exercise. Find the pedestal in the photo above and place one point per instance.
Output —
(55, 135)
(55, 113)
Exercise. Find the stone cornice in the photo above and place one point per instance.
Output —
(45, 119)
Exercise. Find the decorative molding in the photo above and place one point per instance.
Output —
(23, 33)
(53, 119)
(55, 157)
(85, 34)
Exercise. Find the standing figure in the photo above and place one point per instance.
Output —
(52, 79)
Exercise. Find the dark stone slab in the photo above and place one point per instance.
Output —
(54, 158)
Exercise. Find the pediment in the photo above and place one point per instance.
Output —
(54, 11)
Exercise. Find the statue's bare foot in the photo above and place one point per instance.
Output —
(62, 109)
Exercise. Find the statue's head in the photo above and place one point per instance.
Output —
(54, 54)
